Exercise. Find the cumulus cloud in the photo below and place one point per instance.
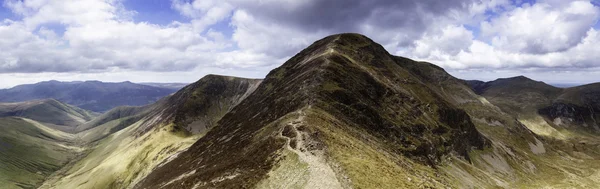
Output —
(101, 36)
(546, 36)
(542, 27)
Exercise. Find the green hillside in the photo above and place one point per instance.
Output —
(55, 114)
(30, 151)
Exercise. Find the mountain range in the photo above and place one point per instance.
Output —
(94, 96)
(342, 113)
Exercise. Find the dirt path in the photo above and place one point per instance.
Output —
(321, 175)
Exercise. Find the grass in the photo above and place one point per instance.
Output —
(30, 151)
(365, 162)
(121, 159)
(289, 172)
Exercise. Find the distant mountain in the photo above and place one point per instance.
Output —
(536, 103)
(516, 94)
(564, 85)
(175, 86)
(90, 95)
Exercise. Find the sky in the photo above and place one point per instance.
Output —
(555, 41)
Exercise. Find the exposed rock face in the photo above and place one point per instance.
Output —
(198, 106)
(345, 82)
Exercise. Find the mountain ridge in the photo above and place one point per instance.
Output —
(526, 99)
(298, 90)
(90, 95)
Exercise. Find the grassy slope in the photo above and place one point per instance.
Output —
(123, 152)
(30, 151)
(518, 158)
(114, 114)
(121, 159)
(51, 112)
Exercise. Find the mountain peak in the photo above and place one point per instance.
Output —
(519, 78)
(346, 49)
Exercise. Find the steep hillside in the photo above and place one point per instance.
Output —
(576, 106)
(518, 95)
(90, 95)
(111, 122)
(198, 106)
(30, 151)
(517, 158)
(547, 110)
(341, 113)
(55, 114)
(143, 137)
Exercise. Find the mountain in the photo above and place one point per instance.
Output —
(309, 120)
(518, 94)
(199, 106)
(545, 107)
(58, 115)
(175, 86)
(565, 85)
(342, 113)
(90, 95)
(128, 142)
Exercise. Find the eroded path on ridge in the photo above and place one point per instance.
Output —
(299, 141)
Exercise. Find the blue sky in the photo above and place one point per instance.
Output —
(154, 11)
(182, 40)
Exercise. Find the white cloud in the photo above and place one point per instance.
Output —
(257, 36)
(451, 40)
(541, 38)
(481, 55)
(204, 13)
(541, 28)
(100, 36)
